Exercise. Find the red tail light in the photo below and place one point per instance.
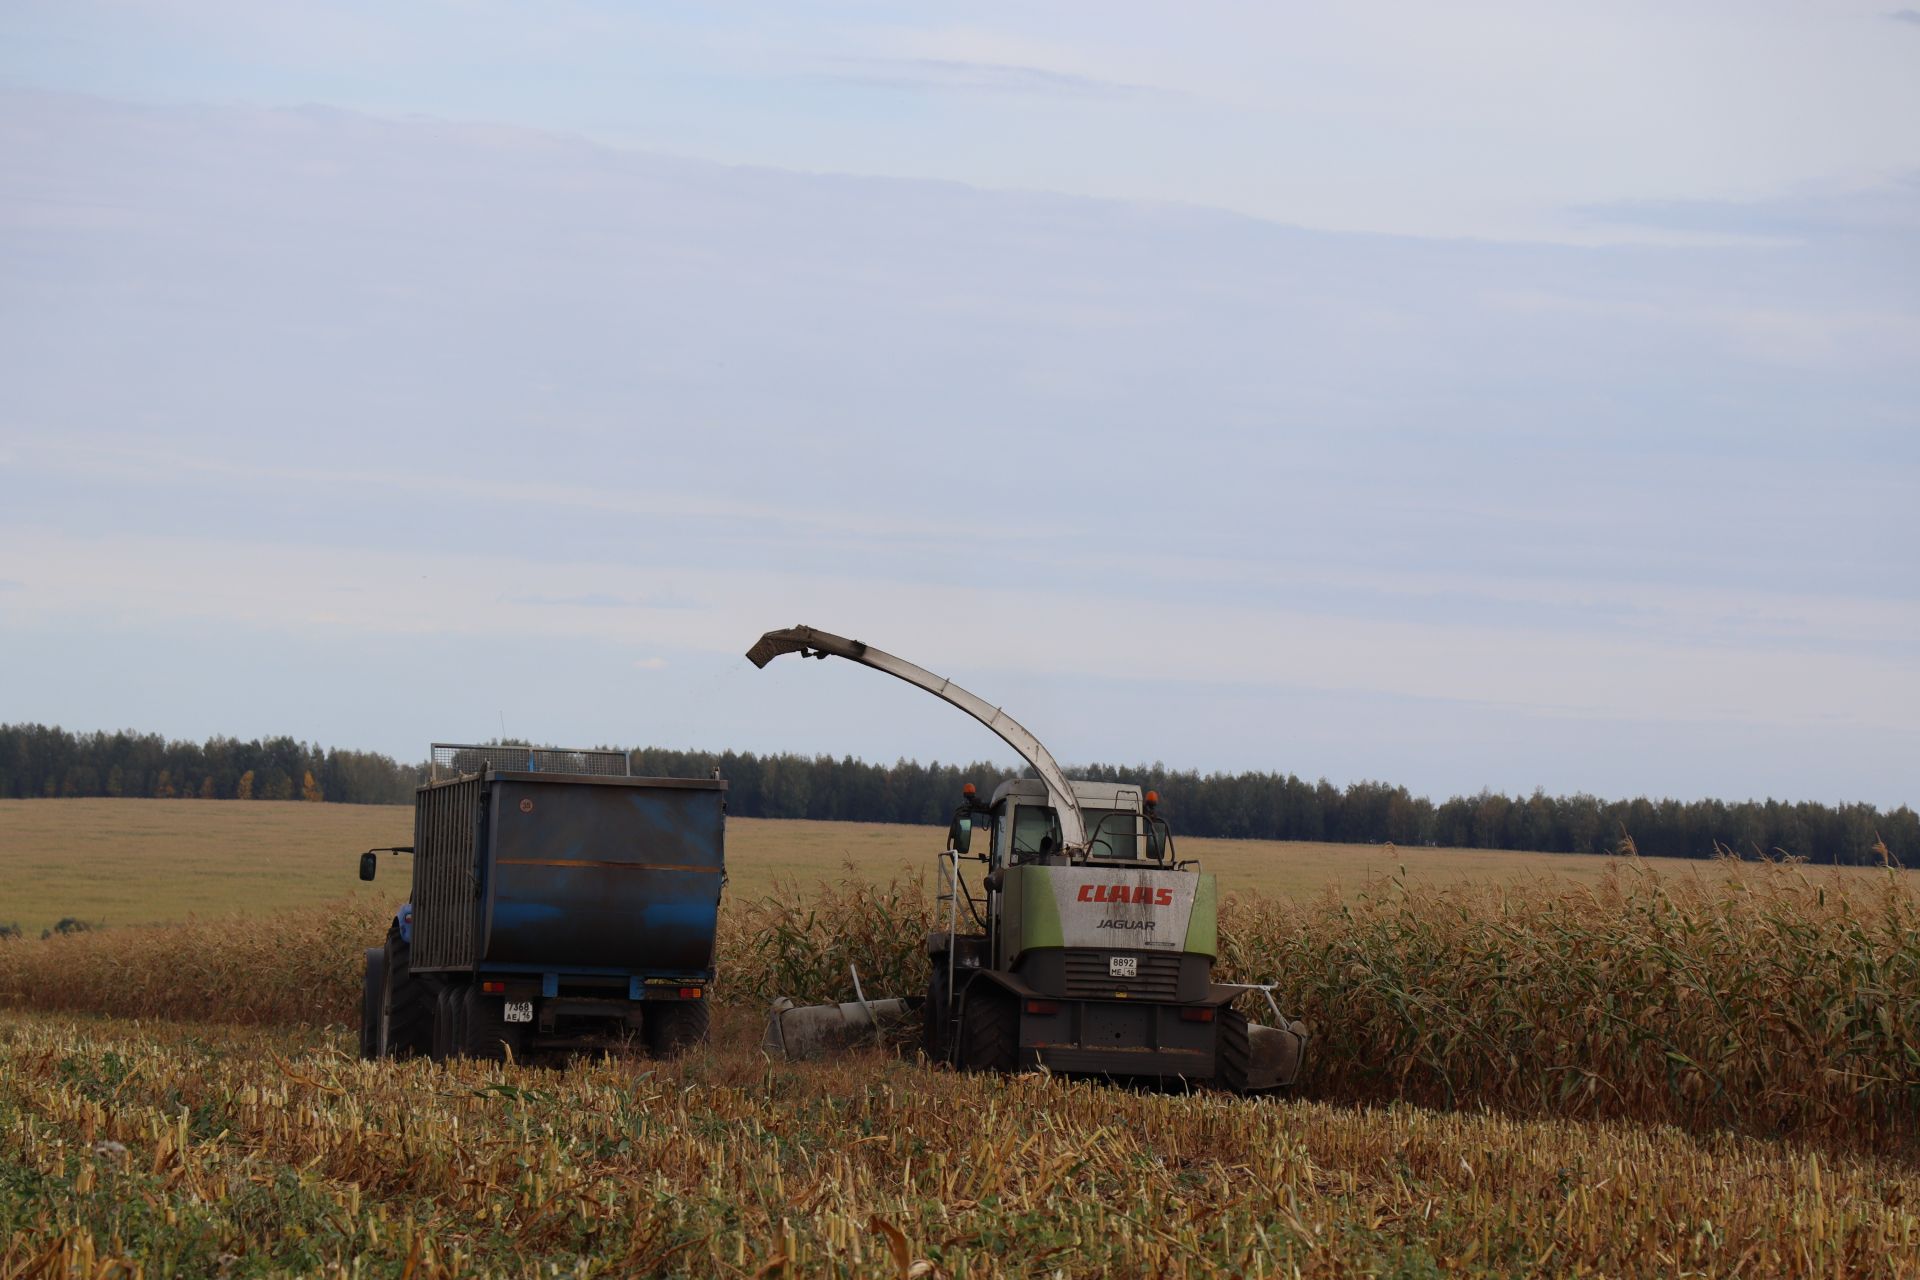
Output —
(1202, 1014)
(689, 993)
(1043, 1006)
(493, 988)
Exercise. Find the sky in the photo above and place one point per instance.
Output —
(1485, 395)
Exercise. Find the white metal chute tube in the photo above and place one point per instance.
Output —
(812, 642)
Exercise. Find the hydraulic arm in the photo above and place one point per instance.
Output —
(809, 642)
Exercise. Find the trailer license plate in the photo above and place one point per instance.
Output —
(519, 1011)
(1123, 966)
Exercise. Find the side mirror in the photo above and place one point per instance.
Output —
(369, 863)
(1156, 840)
(960, 834)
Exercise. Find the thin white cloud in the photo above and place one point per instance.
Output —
(438, 597)
(946, 75)
(103, 457)
(1479, 120)
(1811, 336)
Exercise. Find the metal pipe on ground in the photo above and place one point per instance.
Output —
(797, 1032)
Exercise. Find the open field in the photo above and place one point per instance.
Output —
(124, 862)
(201, 1151)
(1660, 1069)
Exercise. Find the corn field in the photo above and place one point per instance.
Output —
(1754, 999)
(158, 1149)
(1658, 1075)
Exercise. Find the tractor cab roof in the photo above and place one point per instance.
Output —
(1091, 795)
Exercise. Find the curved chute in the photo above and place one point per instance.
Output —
(810, 642)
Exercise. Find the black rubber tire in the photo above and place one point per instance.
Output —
(671, 1027)
(370, 997)
(989, 1029)
(1233, 1053)
(936, 1021)
(483, 1029)
(409, 1004)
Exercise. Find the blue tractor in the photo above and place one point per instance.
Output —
(559, 905)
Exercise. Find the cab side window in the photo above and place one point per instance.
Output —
(1035, 831)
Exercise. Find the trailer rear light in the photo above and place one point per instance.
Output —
(1043, 1006)
(1203, 1014)
(493, 988)
(689, 993)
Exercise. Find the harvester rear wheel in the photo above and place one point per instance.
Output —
(371, 992)
(671, 1027)
(1233, 1056)
(408, 1004)
(989, 1029)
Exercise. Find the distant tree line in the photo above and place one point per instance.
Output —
(36, 760)
(1274, 806)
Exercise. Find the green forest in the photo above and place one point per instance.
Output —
(43, 761)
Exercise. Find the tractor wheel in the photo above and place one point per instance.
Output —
(482, 1026)
(936, 1026)
(408, 1012)
(1233, 1055)
(671, 1027)
(989, 1029)
(370, 993)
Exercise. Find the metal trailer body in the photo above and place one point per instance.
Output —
(556, 911)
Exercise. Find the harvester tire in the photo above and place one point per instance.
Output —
(1233, 1057)
(989, 1029)
(671, 1027)
(408, 1004)
(371, 992)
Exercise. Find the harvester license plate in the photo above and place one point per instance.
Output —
(519, 1011)
(1123, 966)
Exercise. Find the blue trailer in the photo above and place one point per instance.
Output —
(558, 905)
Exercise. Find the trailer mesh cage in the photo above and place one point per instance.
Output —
(446, 873)
(455, 760)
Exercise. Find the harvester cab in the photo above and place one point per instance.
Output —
(1089, 948)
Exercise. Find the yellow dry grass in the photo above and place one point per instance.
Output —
(139, 1149)
(122, 862)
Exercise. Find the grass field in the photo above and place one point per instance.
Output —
(122, 862)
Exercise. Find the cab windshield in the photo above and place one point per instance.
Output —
(1114, 833)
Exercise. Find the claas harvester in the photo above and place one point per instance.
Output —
(1090, 946)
